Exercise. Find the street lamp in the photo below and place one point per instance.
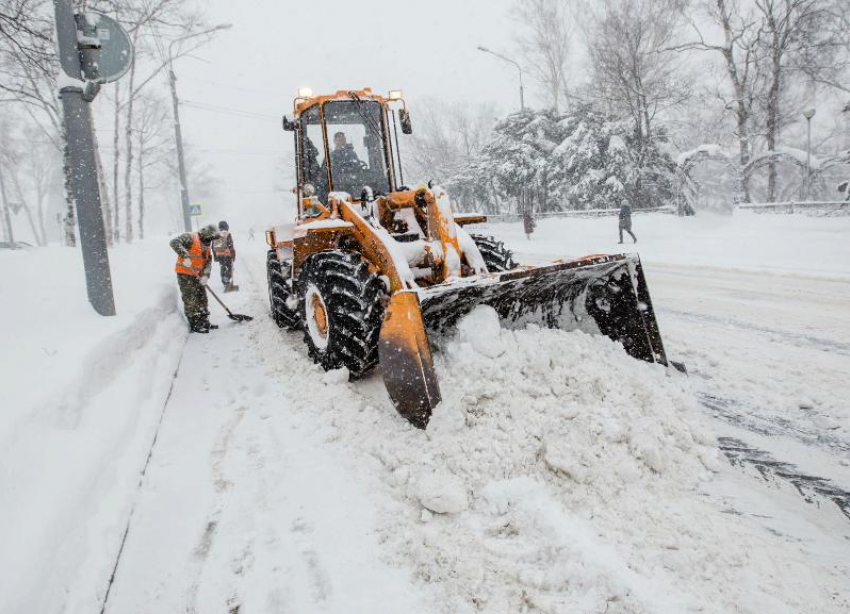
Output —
(178, 134)
(809, 114)
(519, 68)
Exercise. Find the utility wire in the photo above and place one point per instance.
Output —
(226, 110)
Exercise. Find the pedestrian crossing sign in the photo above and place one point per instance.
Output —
(196, 210)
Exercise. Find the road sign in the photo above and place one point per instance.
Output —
(105, 48)
(196, 209)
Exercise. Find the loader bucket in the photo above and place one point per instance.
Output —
(598, 294)
(405, 358)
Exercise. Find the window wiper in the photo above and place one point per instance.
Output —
(370, 122)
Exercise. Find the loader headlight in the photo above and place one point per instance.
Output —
(396, 95)
(309, 190)
(305, 92)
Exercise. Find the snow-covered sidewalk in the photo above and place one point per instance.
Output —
(245, 510)
(81, 398)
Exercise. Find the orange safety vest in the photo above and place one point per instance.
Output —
(197, 255)
(220, 246)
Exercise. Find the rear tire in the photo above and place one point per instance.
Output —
(340, 303)
(282, 300)
(496, 256)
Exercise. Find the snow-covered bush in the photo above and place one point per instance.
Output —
(581, 159)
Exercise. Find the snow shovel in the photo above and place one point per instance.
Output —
(236, 317)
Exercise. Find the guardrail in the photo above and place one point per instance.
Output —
(517, 217)
(826, 206)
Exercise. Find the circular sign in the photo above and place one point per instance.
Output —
(112, 59)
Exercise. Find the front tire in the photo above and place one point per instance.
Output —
(282, 300)
(496, 256)
(340, 303)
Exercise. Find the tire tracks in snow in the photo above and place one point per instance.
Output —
(811, 488)
(800, 340)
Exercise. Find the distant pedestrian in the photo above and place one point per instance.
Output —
(224, 253)
(193, 271)
(528, 224)
(626, 221)
(251, 233)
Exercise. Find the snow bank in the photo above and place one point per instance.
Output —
(83, 399)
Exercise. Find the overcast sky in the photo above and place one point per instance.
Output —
(275, 46)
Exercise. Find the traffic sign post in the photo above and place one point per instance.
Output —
(196, 212)
(93, 49)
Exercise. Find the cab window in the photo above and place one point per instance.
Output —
(355, 139)
(313, 152)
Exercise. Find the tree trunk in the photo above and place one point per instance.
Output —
(40, 211)
(31, 221)
(772, 105)
(40, 237)
(116, 159)
(141, 187)
(128, 162)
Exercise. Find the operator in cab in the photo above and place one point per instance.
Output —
(344, 160)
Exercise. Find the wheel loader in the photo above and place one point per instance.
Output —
(371, 267)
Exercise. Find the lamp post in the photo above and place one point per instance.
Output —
(518, 67)
(178, 133)
(809, 114)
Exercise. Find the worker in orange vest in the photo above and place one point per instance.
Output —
(194, 261)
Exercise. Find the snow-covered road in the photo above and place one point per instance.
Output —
(276, 487)
(581, 480)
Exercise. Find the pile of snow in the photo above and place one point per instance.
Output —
(558, 475)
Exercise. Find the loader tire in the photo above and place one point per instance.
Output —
(497, 257)
(281, 296)
(341, 305)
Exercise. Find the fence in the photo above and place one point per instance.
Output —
(827, 207)
(516, 217)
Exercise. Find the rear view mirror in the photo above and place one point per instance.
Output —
(404, 118)
(288, 124)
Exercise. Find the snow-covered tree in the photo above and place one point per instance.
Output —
(583, 159)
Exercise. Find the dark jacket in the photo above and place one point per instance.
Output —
(344, 161)
(528, 223)
(625, 216)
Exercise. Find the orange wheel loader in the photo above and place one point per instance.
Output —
(370, 267)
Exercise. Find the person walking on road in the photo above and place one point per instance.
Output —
(193, 267)
(528, 224)
(225, 254)
(626, 221)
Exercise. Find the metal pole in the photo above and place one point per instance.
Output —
(518, 67)
(7, 220)
(86, 195)
(808, 158)
(521, 91)
(178, 138)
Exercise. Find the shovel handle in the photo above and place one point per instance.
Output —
(220, 302)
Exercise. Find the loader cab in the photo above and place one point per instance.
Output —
(342, 147)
